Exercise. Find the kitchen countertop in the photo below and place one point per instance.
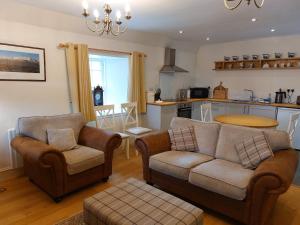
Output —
(281, 105)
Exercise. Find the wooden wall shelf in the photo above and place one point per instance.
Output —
(261, 64)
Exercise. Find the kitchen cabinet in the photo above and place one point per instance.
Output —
(283, 117)
(234, 108)
(196, 110)
(218, 108)
(160, 117)
(266, 111)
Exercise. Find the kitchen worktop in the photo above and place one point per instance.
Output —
(281, 105)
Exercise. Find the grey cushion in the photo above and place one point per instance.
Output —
(62, 139)
(207, 137)
(36, 126)
(278, 139)
(231, 135)
(222, 177)
(177, 163)
(82, 159)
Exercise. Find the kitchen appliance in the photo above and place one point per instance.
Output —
(298, 100)
(157, 95)
(182, 95)
(280, 96)
(169, 65)
(150, 96)
(199, 92)
(184, 110)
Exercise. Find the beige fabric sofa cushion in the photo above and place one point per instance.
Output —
(62, 139)
(207, 137)
(82, 159)
(36, 126)
(222, 177)
(177, 163)
(231, 135)
(278, 139)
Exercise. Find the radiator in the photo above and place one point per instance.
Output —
(15, 158)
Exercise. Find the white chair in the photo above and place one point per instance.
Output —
(294, 119)
(130, 119)
(105, 119)
(206, 113)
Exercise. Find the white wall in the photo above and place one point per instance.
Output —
(262, 82)
(46, 98)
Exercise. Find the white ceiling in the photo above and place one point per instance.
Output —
(198, 18)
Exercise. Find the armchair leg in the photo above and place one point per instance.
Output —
(57, 199)
(105, 179)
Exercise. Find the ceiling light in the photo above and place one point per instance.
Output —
(253, 19)
(208, 38)
(181, 32)
(272, 30)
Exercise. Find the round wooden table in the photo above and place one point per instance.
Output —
(247, 121)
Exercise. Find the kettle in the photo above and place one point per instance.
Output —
(280, 96)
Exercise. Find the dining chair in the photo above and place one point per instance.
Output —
(294, 119)
(206, 112)
(105, 119)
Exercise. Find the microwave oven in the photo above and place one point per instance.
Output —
(199, 92)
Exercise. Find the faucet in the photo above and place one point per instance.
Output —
(252, 94)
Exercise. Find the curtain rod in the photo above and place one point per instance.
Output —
(61, 45)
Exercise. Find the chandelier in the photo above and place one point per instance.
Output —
(106, 24)
(233, 4)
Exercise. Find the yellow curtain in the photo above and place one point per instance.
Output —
(137, 81)
(77, 58)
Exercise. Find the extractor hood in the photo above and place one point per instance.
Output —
(169, 66)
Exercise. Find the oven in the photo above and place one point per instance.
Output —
(184, 110)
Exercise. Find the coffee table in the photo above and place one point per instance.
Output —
(135, 202)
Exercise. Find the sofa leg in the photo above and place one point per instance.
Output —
(105, 179)
(149, 183)
(57, 199)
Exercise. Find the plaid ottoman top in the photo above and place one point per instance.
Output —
(134, 202)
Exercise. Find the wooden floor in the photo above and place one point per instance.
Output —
(24, 203)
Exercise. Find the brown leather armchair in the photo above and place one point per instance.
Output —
(53, 170)
(272, 178)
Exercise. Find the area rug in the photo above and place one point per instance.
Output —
(286, 211)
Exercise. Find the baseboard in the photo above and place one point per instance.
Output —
(5, 169)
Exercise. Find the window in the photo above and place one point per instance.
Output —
(111, 72)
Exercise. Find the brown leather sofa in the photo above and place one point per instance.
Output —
(59, 173)
(270, 179)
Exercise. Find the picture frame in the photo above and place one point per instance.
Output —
(22, 63)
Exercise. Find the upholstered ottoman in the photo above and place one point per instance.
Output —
(134, 202)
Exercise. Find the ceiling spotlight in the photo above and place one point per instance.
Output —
(208, 38)
(272, 30)
(181, 32)
(253, 19)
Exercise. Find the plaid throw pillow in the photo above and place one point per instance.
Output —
(183, 139)
(253, 151)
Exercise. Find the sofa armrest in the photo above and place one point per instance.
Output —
(271, 178)
(152, 144)
(41, 162)
(102, 140)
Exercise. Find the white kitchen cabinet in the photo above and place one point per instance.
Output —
(283, 117)
(159, 117)
(218, 108)
(235, 108)
(196, 110)
(266, 111)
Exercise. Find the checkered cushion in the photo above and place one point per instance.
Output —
(183, 139)
(253, 150)
(134, 202)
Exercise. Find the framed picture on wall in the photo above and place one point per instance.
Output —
(22, 63)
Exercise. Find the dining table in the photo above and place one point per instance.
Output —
(247, 120)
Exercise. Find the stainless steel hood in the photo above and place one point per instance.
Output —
(169, 66)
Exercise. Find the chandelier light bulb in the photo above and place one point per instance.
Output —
(85, 5)
(127, 8)
(96, 13)
(118, 15)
